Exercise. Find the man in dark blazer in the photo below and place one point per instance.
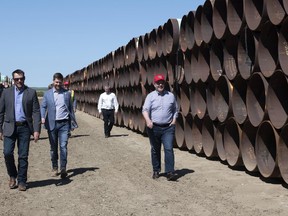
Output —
(58, 117)
(19, 119)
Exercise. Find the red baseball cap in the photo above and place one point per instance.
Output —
(158, 77)
(66, 83)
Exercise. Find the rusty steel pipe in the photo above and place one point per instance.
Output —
(206, 22)
(188, 131)
(223, 94)
(179, 68)
(171, 31)
(246, 53)
(194, 64)
(267, 139)
(119, 57)
(235, 16)
(283, 46)
(151, 69)
(197, 26)
(143, 73)
(275, 11)
(198, 99)
(134, 69)
(216, 59)
(145, 47)
(170, 63)
(159, 41)
(179, 131)
(282, 152)
(208, 139)
(197, 135)
(256, 98)
(131, 51)
(238, 99)
(267, 49)
(232, 139)
(139, 94)
(140, 49)
(219, 140)
(220, 19)
(255, 13)
(230, 57)
(141, 122)
(203, 68)
(211, 100)
(277, 104)
(187, 66)
(152, 44)
(285, 5)
(184, 98)
(162, 67)
(247, 146)
(189, 30)
(182, 34)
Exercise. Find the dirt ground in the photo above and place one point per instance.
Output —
(113, 177)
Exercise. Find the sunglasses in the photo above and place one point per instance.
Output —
(19, 79)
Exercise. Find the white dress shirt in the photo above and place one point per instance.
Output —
(108, 101)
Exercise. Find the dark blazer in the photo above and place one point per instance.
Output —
(48, 109)
(30, 106)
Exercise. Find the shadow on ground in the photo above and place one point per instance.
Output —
(60, 182)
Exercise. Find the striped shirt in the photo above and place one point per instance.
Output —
(161, 107)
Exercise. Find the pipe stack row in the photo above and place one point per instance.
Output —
(227, 64)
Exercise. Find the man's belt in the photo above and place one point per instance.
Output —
(161, 125)
(19, 123)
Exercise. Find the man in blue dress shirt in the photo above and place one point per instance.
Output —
(160, 111)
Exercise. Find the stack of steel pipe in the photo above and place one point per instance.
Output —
(226, 63)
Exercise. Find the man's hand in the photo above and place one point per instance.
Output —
(43, 120)
(149, 124)
(36, 136)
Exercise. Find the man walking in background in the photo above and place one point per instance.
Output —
(57, 115)
(19, 118)
(108, 105)
(73, 101)
(160, 111)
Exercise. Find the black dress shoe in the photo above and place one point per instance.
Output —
(171, 176)
(63, 173)
(155, 175)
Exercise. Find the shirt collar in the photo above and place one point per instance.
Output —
(19, 90)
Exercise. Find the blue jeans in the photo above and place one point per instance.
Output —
(22, 136)
(165, 135)
(59, 135)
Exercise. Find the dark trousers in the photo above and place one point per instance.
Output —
(22, 136)
(157, 136)
(108, 117)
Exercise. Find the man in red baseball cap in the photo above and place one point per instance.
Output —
(160, 111)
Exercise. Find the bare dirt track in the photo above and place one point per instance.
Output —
(113, 177)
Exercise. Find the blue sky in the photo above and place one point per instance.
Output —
(42, 37)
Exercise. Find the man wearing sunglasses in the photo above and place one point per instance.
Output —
(160, 111)
(19, 119)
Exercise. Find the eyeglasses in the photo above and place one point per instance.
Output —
(19, 79)
(160, 82)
